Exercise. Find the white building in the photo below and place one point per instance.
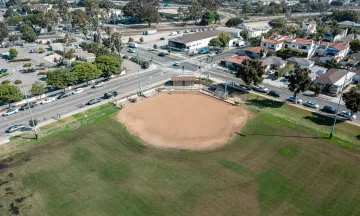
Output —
(254, 31)
(333, 51)
(196, 41)
(334, 79)
(309, 27)
(292, 2)
(349, 24)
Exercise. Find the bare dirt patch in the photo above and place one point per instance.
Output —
(184, 121)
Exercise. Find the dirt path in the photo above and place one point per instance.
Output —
(184, 121)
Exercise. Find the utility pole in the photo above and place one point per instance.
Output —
(138, 59)
(337, 109)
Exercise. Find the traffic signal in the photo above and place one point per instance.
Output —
(183, 67)
(199, 67)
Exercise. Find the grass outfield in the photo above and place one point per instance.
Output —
(92, 166)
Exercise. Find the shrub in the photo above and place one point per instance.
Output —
(20, 59)
(4, 75)
(141, 40)
(42, 64)
(5, 82)
(41, 50)
(145, 65)
(125, 57)
(27, 65)
(13, 37)
(131, 39)
(155, 46)
(285, 70)
(42, 73)
(17, 82)
(49, 54)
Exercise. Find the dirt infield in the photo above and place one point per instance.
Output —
(184, 121)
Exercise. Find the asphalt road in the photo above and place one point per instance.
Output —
(66, 105)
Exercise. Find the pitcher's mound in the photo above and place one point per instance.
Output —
(184, 121)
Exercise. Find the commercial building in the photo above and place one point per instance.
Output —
(194, 41)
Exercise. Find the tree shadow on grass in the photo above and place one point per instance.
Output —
(265, 103)
(323, 119)
(279, 135)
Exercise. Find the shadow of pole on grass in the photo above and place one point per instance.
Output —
(278, 135)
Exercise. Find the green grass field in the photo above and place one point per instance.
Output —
(279, 164)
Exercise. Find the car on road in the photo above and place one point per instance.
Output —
(274, 93)
(262, 89)
(311, 104)
(218, 52)
(10, 112)
(15, 128)
(329, 109)
(162, 38)
(63, 95)
(28, 105)
(32, 51)
(212, 54)
(109, 95)
(4, 70)
(347, 115)
(93, 101)
(162, 54)
(132, 51)
(176, 64)
(98, 85)
(77, 91)
(48, 100)
(292, 99)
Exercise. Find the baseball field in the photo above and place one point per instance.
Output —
(279, 163)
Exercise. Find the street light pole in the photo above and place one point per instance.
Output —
(337, 109)
(138, 59)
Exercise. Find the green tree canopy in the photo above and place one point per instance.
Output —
(3, 31)
(13, 52)
(232, 22)
(108, 65)
(355, 45)
(278, 23)
(28, 33)
(60, 78)
(299, 81)
(224, 38)
(209, 17)
(86, 71)
(145, 11)
(37, 88)
(251, 72)
(352, 100)
(10, 94)
(215, 42)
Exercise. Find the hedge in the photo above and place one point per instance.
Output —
(20, 59)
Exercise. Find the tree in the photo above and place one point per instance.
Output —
(274, 8)
(69, 54)
(224, 38)
(3, 31)
(28, 33)
(13, 52)
(215, 42)
(244, 34)
(86, 71)
(355, 45)
(299, 81)
(317, 90)
(155, 46)
(13, 3)
(144, 10)
(247, 7)
(278, 23)
(108, 65)
(251, 72)
(9, 13)
(194, 12)
(60, 78)
(85, 31)
(14, 20)
(209, 17)
(352, 100)
(131, 39)
(13, 37)
(33, 123)
(344, 15)
(37, 88)
(10, 94)
(233, 22)
(141, 40)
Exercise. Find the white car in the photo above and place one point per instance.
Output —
(10, 112)
(15, 128)
(173, 33)
(262, 89)
(311, 104)
(176, 64)
(132, 51)
(347, 115)
(77, 91)
(99, 84)
(48, 100)
(211, 54)
(292, 99)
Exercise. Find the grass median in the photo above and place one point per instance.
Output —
(90, 165)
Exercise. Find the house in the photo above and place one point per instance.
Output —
(235, 62)
(334, 80)
(309, 27)
(316, 71)
(333, 51)
(356, 78)
(300, 62)
(273, 62)
(329, 37)
(254, 31)
(40, 7)
(277, 42)
(183, 80)
(350, 37)
(253, 52)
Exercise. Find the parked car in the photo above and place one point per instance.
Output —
(274, 93)
(292, 99)
(32, 51)
(93, 101)
(311, 104)
(110, 94)
(329, 109)
(28, 105)
(176, 64)
(4, 70)
(99, 84)
(218, 52)
(132, 51)
(63, 95)
(162, 38)
(15, 128)
(77, 91)
(262, 89)
(48, 100)
(211, 54)
(347, 115)
(10, 112)
(162, 54)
